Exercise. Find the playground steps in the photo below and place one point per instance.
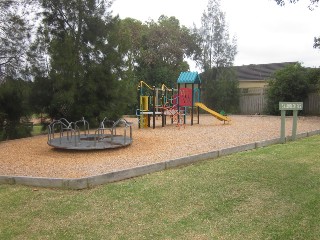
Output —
(213, 113)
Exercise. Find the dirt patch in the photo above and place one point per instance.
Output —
(33, 157)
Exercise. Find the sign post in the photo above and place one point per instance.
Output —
(295, 107)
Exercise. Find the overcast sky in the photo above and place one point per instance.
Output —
(265, 32)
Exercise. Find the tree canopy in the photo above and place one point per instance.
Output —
(220, 85)
(14, 104)
(283, 2)
(14, 37)
(290, 84)
(165, 46)
(84, 62)
(217, 48)
(79, 37)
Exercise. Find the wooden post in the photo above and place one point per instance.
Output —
(294, 106)
(294, 124)
(163, 104)
(199, 86)
(178, 101)
(283, 127)
(139, 104)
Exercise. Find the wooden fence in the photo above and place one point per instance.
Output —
(311, 106)
(254, 100)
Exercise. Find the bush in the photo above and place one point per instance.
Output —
(220, 91)
(287, 85)
(14, 106)
(14, 130)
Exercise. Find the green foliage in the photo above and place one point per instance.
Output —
(220, 90)
(220, 86)
(15, 37)
(41, 95)
(14, 105)
(217, 49)
(130, 36)
(287, 85)
(164, 48)
(316, 42)
(15, 130)
(83, 78)
(313, 75)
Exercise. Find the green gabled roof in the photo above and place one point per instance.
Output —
(189, 77)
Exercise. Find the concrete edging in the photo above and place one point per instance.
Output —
(88, 182)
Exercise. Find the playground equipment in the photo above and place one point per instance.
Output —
(213, 113)
(148, 104)
(75, 135)
(158, 102)
(170, 108)
(194, 95)
(189, 95)
(164, 101)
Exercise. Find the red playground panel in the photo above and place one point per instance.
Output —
(185, 97)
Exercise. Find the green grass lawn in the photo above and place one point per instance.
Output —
(37, 130)
(269, 193)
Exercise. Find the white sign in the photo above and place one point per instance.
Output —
(290, 105)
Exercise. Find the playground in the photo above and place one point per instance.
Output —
(176, 104)
(34, 157)
(170, 124)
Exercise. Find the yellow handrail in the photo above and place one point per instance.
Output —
(163, 87)
(142, 82)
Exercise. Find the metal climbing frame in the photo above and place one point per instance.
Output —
(76, 135)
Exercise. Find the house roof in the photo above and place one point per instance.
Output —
(189, 77)
(259, 71)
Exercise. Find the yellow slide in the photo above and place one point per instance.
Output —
(213, 113)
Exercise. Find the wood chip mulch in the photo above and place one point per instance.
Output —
(34, 157)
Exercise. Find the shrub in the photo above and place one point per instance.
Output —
(287, 85)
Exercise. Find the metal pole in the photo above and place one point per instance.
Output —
(139, 104)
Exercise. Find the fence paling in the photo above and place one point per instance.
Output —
(312, 104)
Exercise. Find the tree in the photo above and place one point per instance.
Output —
(41, 95)
(15, 29)
(218, 51)
(81, 42)
(223, 93)
(165, 46)
(14, 104)
(313, 4)
(129, 37)
(287, 85)
(313, 76)
(131, 33)
(282, 2)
